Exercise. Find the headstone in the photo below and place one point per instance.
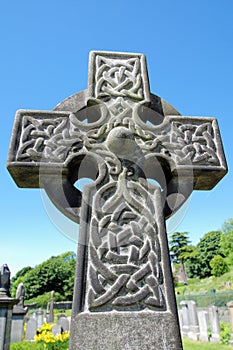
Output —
(180, 316)
(6, 306)
(31, 329)
(18, 315)
(50, 311)
(39, 317)
(56, 329)
(185, 318)
(194, 331)
(214, 323)
(124, 288)
(230, 306)
(203, 325)
(64, 323)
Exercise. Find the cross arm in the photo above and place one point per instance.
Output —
(191, 146)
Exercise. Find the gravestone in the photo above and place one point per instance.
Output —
(56, 329)
(230, 306)
(39, 317)
(145, 160)
(6, 306)
(64, 323)
(194, 331)
(18, 315)
(31, 329)
(185, 318)
(203, 321)
(50, 309)
(214, 323)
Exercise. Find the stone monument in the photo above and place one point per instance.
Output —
(6, 306)
(50, 309)
(145, 160)
(18, 315)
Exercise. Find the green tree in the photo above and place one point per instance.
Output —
(19, 276)
(207, 248)
(180, 249)
(226, 242)
(193, 263)
(56, 273)
(218, 266)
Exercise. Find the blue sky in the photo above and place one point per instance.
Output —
(44, 59)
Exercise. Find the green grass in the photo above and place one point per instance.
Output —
(205, 285)
(187, 344)
(26, 346)
(197, 345)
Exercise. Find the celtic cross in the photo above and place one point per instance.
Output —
(145, 160)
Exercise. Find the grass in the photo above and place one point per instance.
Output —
(197, 345)
(205, 285)
(187, 344)
(26, 346)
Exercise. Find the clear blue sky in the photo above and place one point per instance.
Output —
(44, 59)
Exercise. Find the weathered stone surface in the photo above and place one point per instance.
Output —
(64, 322)
(31, 329)
(203, 321)
(125, 331)
(120, 135)
(18, 314)
(56, 329)
(214, 323)
(39, 317)
(6, 306)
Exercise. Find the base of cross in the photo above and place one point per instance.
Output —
(122, 331)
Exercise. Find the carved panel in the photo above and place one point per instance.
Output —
(115, 78)
(47, 139)
(114, 75)
(124, 271)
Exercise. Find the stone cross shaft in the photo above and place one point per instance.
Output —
(145, 160)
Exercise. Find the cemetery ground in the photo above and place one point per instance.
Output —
(187, 344)
(204, 291)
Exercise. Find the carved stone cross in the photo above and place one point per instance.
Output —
(145, 160)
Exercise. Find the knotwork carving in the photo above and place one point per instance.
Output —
(118, 77)
(124, 251)
(197, 143)
(47, 139)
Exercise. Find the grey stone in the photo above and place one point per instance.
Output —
(120, 331)
(31, 329)
(203, 321)
(18, 316)
(4, 280)
(180, 316)
(50, 311)
(17, 328)
(185, 318)
(56, 329)
(190, 325)
(194, 331)
(230, 306)
(6, 306)
(39, 318)
(64, 323)
(214, 323)
(123, 284)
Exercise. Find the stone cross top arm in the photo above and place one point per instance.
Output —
(123, 137)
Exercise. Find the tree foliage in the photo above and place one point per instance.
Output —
(226, 242)
(56, 273)
(180, 250)
(179, 247)
(218, 266)
(207, 248)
